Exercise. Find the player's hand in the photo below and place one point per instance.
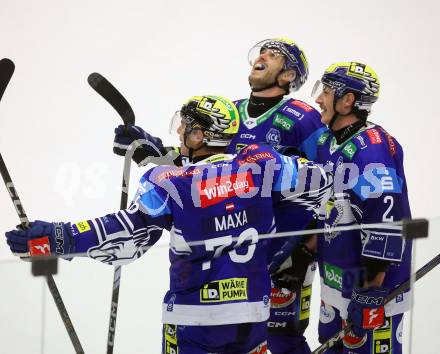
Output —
(149, 146)
(366, 309)
(41, 238)
(292, 272)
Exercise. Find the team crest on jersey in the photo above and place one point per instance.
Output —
(334, 213)
(273, 136)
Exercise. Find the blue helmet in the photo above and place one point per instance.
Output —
(295, 59)
(354, 77)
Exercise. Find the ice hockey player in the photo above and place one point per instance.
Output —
(216, 208)
(279, 67)
(359, 267)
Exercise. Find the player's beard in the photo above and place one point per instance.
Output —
(261, 82)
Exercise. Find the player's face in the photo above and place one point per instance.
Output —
(325, 100)
(181, 131)
(266, 68)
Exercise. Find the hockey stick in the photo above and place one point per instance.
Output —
(107, 91)
(397, 291)
(7, 68)
(50, 281)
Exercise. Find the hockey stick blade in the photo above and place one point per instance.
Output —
(7, 68)
(397, 291)
(107, 91)
(50, 281)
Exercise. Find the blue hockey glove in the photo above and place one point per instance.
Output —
(366, 309)
(41, 238)
(151, 146)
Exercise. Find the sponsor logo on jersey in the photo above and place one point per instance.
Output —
(273, 136)
(382, 346)
(80, 227)
(250, 148)
(322, 139)
(349, 150)
(215, 190)
(332, 276)
(280, 298)
(306, 295)
(293, 112)
(39, 246)
(374, 136)
(233, 289)
(361, 140)
(248, 136)
(391, 143)
(170, 336)
(259, 349)
(264, 155)
(382, 336)
(302, 105)
(178, 172)
(283, 122)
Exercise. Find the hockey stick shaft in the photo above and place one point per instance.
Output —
(107, 91)
(397, 291)
(118, 269)
(50, 281)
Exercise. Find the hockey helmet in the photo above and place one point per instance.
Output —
(216, 116)
(358, 78)
(295, 58)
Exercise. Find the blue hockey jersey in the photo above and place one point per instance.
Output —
(291, 122)
(369, 188)
(216, 211)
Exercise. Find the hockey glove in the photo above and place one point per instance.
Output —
(289, 150)
(292, 272)
(366, 309)
(150, 146)
(42, 239)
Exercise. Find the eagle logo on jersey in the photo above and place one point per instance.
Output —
(339, 212)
